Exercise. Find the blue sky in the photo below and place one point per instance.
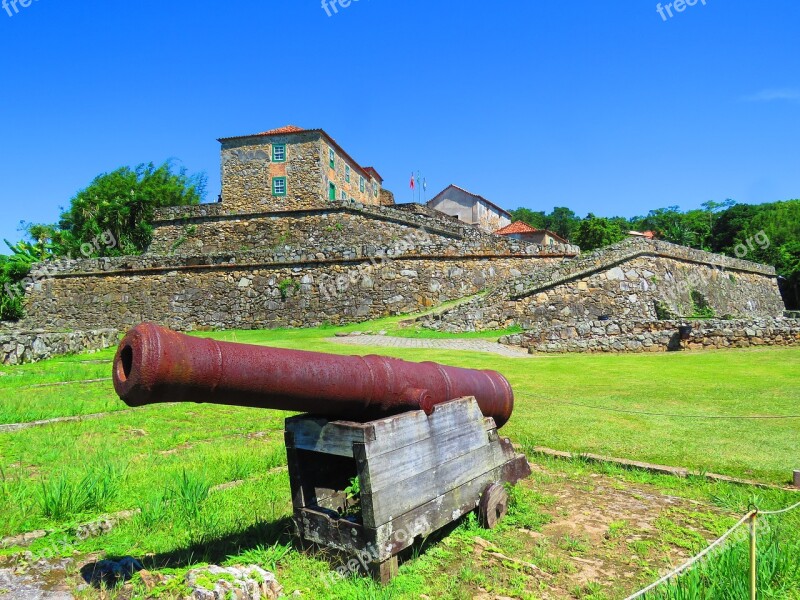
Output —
(600, 106)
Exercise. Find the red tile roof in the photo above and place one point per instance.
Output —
(290, 129)
(516, 227)
(520, 227)
(286, 129)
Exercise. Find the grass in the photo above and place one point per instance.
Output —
(169, 461)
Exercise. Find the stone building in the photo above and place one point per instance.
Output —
(525, 233)
(293, 168)
(470, 208)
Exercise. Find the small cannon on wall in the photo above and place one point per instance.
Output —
(427, 429)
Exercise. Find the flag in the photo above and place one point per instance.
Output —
(424, 184)
(413, 184)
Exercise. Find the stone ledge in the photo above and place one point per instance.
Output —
(18, 347)
(657, 336)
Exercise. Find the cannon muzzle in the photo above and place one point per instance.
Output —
(154, 364)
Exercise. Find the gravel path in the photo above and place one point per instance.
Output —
(454, 344)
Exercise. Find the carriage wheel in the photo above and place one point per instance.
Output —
(493, 505)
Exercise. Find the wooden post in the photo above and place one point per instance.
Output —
(797, 479)
(753, 565)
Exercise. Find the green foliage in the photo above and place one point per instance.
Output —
(63, 496)
(561, 220)
(287, 284)
(701, 309)
(123, 202)
(353, 491)
(535, 219)
(663, 312)
(726, 575)
(266, 557)
(597, 232)
(13, 271)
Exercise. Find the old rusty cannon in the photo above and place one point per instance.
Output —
(373, 424)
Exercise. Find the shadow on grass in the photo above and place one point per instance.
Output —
(115, 570)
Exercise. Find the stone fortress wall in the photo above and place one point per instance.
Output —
(210, 267)
(636, 279)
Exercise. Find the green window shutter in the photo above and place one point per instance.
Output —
(332, 158)
(347, 173)
(331, 191)
(361, 184)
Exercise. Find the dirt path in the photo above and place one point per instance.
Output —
(453, 344)
(610, 532)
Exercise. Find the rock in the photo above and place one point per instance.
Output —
(245, 583)
(615, 274)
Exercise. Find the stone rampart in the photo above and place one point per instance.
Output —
(657, 336)
(636, 279)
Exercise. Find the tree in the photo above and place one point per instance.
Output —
(562, 221)
(13, 269)
(788, 268)
(729, 225)
(535, 219)
(123, 203)
(597, 232)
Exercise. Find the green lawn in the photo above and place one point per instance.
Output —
(736, 383)
(165, 460)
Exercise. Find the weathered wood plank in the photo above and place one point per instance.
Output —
(385, 470)
(439, 512)
(385, 435)
(410, 428)
(321, 528)
(382, 506)
(300, 492)
(328, 437)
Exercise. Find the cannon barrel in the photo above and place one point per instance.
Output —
(154, 364)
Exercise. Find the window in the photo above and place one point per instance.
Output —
(344, 196)
(347, 173)
(279, 186)
(331, 191)
(374, 188)
(361, 184)
(332, 158)
(278, 152)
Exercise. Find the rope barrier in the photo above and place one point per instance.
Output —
(694, 559)
(749, 517)
(656, 414)
(779, 512)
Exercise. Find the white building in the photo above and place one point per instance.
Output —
(470, 208)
